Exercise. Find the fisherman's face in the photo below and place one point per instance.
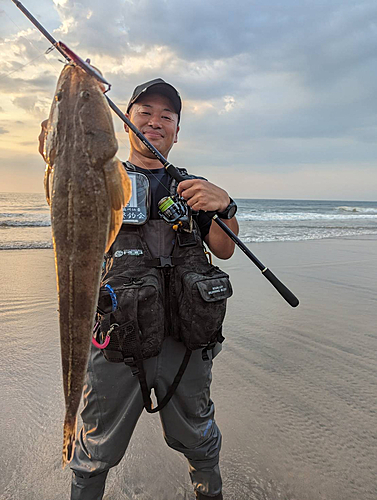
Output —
(154, 116)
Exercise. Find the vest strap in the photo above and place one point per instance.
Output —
(164, 262)
(148, 405)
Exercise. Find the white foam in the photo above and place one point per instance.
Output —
(22, 245)
(304, 216)
(307, 235)
(362, 210)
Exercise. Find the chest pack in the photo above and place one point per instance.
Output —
(157, 283)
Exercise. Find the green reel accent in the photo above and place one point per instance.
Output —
(165, 203)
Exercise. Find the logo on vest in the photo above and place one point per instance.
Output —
(217, 289)
(134, 252)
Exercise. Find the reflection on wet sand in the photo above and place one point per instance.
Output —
(294, 388)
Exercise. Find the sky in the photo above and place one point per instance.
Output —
(279, 97)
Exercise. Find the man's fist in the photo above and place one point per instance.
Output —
(203, 195)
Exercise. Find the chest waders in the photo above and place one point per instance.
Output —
(159, 283)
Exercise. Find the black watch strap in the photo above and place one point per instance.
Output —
(230, 210)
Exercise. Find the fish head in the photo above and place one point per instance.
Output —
(80, 108)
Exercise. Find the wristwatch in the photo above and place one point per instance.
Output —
(230, 210)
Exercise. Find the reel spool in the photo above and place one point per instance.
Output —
(175, 211)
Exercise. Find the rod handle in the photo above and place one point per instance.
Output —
(282, 289)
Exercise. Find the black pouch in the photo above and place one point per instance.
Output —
(137, 324)
(201, 305)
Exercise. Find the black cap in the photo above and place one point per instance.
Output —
(157, 86)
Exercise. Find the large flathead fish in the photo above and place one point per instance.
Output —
(86, 190)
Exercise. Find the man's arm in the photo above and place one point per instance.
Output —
(203, 195)
(219, 242)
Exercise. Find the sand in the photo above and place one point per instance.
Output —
(295, 389)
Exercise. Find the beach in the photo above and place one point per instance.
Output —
(294, 388)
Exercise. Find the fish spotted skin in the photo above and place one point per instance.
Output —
(87, 190)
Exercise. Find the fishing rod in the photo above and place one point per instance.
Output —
(69, 55)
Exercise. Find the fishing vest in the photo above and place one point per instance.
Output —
(157, 283)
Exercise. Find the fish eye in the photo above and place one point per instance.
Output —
(59, 96)
(85, 94)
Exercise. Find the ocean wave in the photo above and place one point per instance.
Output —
(10, 214)
(306, 236)
(20, 218)
(20, 221)
(297, 216)
(26, 223)
(363, 210)
(26, 245)
(41, 208)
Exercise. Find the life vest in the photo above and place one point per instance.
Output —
(157, 283)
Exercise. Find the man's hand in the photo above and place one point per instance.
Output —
(203, 195)
(42, 137)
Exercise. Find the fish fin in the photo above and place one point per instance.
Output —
(69, 439)
(119, 190)
(48, 172)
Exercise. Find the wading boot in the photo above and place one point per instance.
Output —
(200, 496)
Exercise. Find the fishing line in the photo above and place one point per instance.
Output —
(169, 167)
(50, 49)
(32, 44)
(128, 149)
(4, 75)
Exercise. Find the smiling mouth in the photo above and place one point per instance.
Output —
(151, 133)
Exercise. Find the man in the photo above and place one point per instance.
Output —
(113, 400)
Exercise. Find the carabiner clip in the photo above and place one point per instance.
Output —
(107, 338)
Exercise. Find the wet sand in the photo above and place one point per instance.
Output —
(295, 389)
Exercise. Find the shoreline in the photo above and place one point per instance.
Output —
(293, 387)
(361, 237)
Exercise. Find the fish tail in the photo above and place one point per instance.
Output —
(68, 439)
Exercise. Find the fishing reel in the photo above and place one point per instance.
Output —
(175, 211)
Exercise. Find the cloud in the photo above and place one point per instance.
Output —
(26, 44)
(216, 30)
(93, 24)
(3, 131)
(265, 85)
(17, 85)
(28, 143)
(34, 106)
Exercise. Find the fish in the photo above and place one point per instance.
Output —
(86, 187)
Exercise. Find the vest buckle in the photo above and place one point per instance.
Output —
(165, 262)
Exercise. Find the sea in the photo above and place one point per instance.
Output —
(25, 220)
